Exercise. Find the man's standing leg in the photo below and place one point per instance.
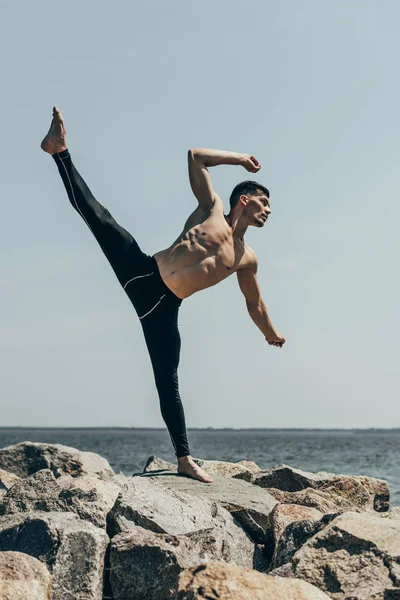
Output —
(163, 342)
(160, 327)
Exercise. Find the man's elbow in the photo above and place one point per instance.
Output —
(194, 154)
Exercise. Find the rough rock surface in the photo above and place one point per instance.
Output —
(361, 491)
(155, 463)
(213, 467)
(87, 496)
(354, 556)
(285, 570)
(291, 525)
(322, 500)
(333, 531)
(73, 550)
(26, 458)
(250, 464)
(6, 481)
(218, 581)
(393, 513)
(23, 577)
(148, 504)
(295, 535)
(150, 562)
(249, 504)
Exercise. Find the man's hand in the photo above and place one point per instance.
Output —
(250, 163)
(275, 339)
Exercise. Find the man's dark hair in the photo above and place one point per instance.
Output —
(246, 187)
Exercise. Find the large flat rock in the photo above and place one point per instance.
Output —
(249, 504)
(146, 503)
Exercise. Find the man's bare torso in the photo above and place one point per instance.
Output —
(204, 254)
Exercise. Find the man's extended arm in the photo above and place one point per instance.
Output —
(257, 310)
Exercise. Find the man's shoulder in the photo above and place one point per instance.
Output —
(250, 260)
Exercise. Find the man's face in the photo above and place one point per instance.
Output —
(258, 209)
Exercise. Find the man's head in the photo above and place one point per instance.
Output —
(254, 199)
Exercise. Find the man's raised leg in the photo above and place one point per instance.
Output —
(118, 245)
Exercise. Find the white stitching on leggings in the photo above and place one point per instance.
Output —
(163, 296)
(73, 195)
(137, 277)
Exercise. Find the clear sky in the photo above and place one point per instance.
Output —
(310, 88)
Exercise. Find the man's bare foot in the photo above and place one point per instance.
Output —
(55, 141)
(187, 466)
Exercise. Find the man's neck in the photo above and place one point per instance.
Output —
(238, 230)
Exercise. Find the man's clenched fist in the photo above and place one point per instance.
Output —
(250, 163)
(275, 339)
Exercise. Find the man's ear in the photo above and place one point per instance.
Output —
(243, 199)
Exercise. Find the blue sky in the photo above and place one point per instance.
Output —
(311, 89)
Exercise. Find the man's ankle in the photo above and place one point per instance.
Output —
(184, 458)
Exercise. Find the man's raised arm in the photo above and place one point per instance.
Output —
(200, 181)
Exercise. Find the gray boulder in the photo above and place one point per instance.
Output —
(227, 582)
(291, 525)
(23, 577)
(361, 491)
(247, 503)
(327, 502)
(26, 458)
(295, 535)
(73, 550)
(144, 564)
(355, 556)
(31, 493)
(87, 496)
(146, 503)
(213, 467)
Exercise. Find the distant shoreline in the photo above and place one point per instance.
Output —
(271, 429)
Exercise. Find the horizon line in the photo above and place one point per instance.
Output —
(203, 428)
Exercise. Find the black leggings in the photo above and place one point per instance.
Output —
(156, 305)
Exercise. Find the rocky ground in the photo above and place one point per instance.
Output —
(73, 529)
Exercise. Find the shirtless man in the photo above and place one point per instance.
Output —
(210, 248)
